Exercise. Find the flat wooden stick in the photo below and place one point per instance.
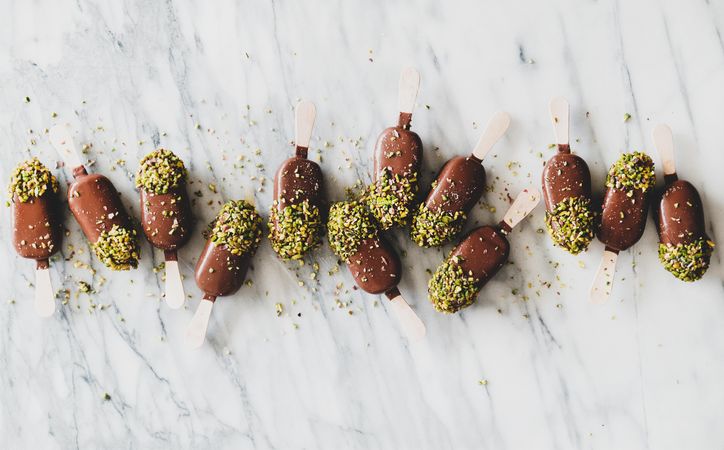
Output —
(411, 324)
(523, 204)
(495, 129)
(196, 331)
(305, 113)
(61, 137)
(175, 294)
(603, 282)
(409, 86)
(560, 116)
(44, 295)
(664, 143)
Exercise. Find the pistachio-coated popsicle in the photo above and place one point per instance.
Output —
(37, 230)
(97, 207)
(355, 237)
(295, 222)
(398, 156)
(567, 189)
(166, 217)
(457, 188)
(629, 185)
(684, 247)
(233, 238)
(477, 258)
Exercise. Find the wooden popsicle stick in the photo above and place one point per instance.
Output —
(44, 295)
(409, 86)
(196, 331)
(603, 282)
(175, 294)
(411, 324)
(495, 129)
(664, 143)
(523, 204)
(560, 116)
(305, 113)
(61, 137)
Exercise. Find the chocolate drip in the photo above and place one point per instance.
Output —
(301, 152)
(405, 120)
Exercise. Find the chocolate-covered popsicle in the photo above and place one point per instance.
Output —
(455, 191)
(232, 239)
(567, 189)
(684, 247)
(629, 184)
(166, 217)
(477, 258)
(354, 236)
(398, 156)
(295, 222)
(97, 207)
(37, 230)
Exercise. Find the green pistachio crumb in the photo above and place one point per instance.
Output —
(632, 171)
(432, 228)
(348, 225)
(295, 229)
(161, 171)
(238, 227)
(391, 197)
(687, 262)
(571, 224)
(118, 248)
(31, 179)
(450, 288)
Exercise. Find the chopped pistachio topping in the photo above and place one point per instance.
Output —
(450, 288)
(160, 171)
(31, 179)
(295, 229)
(687, 262)
(632, 171)
(570, 224)
(348, 225)
(431, 228)
(390, 198)
(238, 227)
(118, 248)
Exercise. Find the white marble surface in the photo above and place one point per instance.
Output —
(642, 371)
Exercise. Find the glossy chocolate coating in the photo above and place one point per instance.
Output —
(166, 218)
(565, 175)
(220, 272)
(617, 231)
(298, 179)
(460, 184)
(483, 251)
(375, 266)
(96, 204)
(398, 149)
(681, 214)
(37, 232)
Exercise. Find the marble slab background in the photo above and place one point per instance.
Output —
(531, 365)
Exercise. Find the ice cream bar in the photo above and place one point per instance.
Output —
(477, 258)
(374, 264)
(684, 247)
(166, 217)
(398, 156)
(295, 222)
(567, 189)
(37, 230)
(457, 188)
(96, 206)
(233, 238)
(623, 218)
